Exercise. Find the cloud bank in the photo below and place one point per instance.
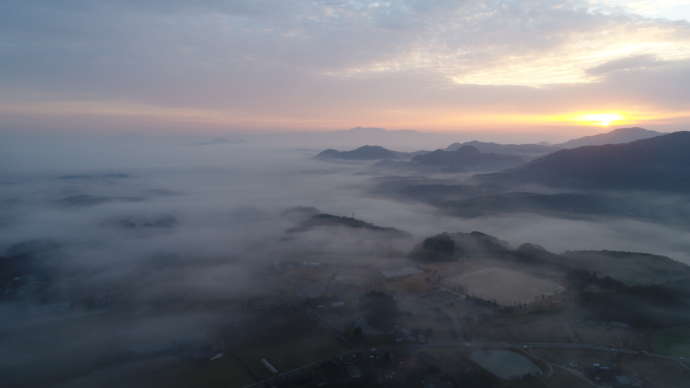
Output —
(338, 63)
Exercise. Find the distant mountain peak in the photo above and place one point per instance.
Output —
(468, 150)
(366, 152)
(368, 129)
(465, 158)
(370, 148)
(514, 149)
(378, 131)
(632, 130)
(616, 136)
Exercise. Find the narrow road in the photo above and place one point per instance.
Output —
(555, 345)
(495, 345)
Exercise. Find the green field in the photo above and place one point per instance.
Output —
(673, 342)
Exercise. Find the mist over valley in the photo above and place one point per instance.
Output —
(163, 254)
(345, 194)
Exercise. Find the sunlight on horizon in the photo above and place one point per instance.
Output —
(601, 119)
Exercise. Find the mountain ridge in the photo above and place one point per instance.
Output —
(617, 136)
(367, 152)
(654, 164)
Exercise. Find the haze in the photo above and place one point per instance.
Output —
(345, 193)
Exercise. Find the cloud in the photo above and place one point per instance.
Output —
(671, 9)
(638, 62)
(318, 64)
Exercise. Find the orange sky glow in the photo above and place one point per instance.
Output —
(431, 119)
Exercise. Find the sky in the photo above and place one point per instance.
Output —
(303, 65)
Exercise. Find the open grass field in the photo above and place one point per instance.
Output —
(673, 342)
(506, 287)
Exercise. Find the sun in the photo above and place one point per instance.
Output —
(600, 119)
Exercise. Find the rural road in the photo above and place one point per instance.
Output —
(497, 345)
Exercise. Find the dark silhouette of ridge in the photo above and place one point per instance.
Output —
(656, 164)
(617, 136)
(367, 152)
